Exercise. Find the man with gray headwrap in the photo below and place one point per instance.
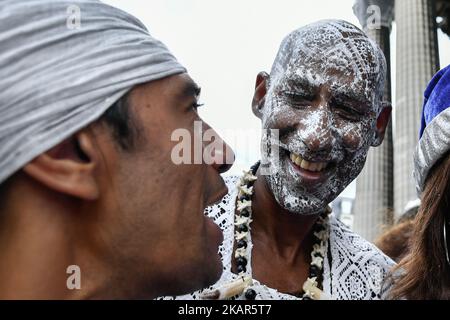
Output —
(87, 112)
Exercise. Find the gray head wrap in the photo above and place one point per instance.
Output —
(59, 74)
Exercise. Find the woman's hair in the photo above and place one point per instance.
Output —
(424, 272)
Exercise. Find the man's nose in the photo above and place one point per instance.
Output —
(319, 130)
(223, 156)
(227, 157)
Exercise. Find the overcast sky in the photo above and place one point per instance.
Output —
(224, 44)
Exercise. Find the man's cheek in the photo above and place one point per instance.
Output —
(355, 164)
(278, 116)
(355, 137)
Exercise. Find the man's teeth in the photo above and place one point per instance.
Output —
(310, 166)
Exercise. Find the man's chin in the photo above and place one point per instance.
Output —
(208, 266)
(306, 205)
(305, 210)
(203, 277)
(214, 273)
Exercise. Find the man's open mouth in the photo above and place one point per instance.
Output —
(316, 166)
(217, 198)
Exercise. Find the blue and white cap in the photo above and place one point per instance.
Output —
(434, 137)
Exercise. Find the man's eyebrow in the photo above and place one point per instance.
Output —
(191, 89)
(351, 99)
(353, 96)
(299, 84)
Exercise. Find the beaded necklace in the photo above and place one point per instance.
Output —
(243, 219)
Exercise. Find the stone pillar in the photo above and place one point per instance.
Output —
(417, 62)
(374, 187)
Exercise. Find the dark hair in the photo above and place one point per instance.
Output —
(424, 272)
(395, 241)
(124, 127)
(3, 188)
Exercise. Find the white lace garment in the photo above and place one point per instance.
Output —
(357, 267)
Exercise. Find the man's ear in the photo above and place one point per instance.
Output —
(260, 93)
(382, 123)
(69, 167)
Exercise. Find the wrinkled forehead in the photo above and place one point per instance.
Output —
(336, 53)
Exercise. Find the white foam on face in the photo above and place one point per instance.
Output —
(336, 55)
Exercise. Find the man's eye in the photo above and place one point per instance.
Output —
(197, 105)
(347, 113)
(297, 98)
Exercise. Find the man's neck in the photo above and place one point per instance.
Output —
(283, 236)
(288, 233)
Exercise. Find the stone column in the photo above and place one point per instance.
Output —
(374, 187)
(417, 62)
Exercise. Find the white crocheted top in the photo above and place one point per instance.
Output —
(357, 267)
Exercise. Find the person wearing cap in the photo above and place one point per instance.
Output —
(92, 203)
(425, 272)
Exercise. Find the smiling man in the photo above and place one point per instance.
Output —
(91, 203)
(321, 109)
